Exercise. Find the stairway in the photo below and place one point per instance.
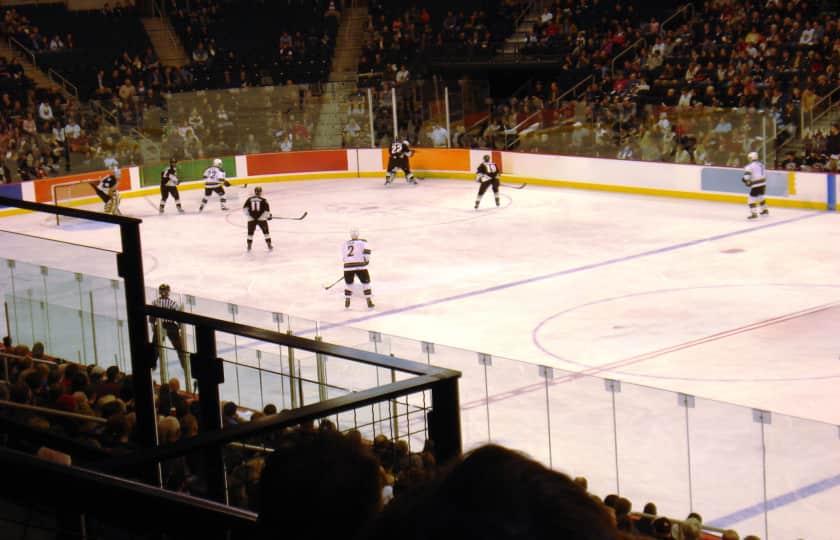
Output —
(517, 39)
(343, 78)
(41, 79)
(167, 46)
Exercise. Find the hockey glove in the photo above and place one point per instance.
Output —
(747, 179)
(227, 184)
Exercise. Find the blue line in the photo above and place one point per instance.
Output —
(575, 270)
(777, 502)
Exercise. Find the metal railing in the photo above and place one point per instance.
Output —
(52, 412)
(808, 118)
(15, 44)
(529, 120)
(62, 81)
(629, 48)
(686, 7)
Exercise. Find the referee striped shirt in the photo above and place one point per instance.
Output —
(166, 303)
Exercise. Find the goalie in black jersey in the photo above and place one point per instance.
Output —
(169, 186)
(106, 189)
(488, 175)
(398, 159)
(258, 213)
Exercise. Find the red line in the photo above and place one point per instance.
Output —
(653, 354)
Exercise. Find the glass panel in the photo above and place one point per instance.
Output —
(726, 443)
(582, 433)
(640, 477)
(472, 389)
(517, 392)
(802, 472)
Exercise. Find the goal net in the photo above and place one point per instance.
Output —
(66, 193)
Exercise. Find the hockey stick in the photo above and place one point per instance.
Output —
(328, 287)
(514, 186)
(294, 218)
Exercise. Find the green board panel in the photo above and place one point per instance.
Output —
(188, 170)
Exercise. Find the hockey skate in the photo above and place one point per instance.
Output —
(224, 207)
(753, 216)
(346, 303)
(201, 208)
(369, 303)
(160, 210)
(764, 212)
(180, 210)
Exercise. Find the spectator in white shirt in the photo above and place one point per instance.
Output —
(45, 112)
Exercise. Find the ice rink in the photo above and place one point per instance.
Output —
(682, 295)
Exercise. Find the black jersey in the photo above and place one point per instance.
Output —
(400, 149)
(169, 177)
(487, 171)
(256, 208)
(108, 183)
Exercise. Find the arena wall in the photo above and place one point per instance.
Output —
(785, 188)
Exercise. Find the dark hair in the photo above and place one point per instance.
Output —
(229, 409)
(112, 373)
(496, 493)
(611, 500)
(270, 409)
(313, 475)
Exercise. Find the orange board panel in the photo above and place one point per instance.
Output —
(43, 187)
(436, 159)
(297, 162)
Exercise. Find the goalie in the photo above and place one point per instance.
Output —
(106, 189)
(258, 214)
(755, 178)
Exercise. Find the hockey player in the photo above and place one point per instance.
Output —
(755, 179)
(169, 186)
(214, 182)
(106, 189)
(398, 159)
(356, 256)
(487, 175)
(258, 213)
(171, 328)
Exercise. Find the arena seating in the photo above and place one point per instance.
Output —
(255, 43)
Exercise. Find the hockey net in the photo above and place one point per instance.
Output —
(66, 193)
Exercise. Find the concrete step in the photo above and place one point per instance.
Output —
(165, 42)
(30, 70)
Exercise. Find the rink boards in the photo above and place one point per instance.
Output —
(792, 189)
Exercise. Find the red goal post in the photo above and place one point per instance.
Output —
(66, 192)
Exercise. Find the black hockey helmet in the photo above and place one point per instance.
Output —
(173, 162)
(258, 190)
(486, 158)
(163, 289)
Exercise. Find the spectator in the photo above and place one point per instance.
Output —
(310, 472)
(537, 503)
(230, 417)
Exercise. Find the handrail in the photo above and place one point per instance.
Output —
(52, 412)
(685, 7)
(622, 53)
(555, 101)
(827, 97)
(22, 47)
(29, 480)
(64, 82)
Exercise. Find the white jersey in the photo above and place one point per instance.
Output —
(757, 176)
(356, 255)
(213, 177)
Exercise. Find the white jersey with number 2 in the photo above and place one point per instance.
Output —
(356, 254)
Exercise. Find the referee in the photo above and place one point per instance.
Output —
(172, 329)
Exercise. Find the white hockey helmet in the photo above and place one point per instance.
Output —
(354, 234)
(752, 156)
(217, 162)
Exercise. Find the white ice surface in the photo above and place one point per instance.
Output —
(672, 294)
